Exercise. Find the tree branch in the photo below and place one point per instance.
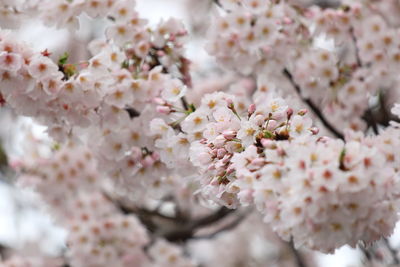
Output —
(313, 107)
(296, 255)
(392, 251)
(227, 227)
(174, 229)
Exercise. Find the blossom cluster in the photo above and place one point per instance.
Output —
(98, 232)
(252, 145)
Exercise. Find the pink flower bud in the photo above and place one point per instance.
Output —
(145, 67)
(258, 162)
(155, 156)
(287, 20)
(211, 167)
(221, 152)
(229, 103)
(226, 158)
(163, 110)
(251, 109)
(314, 130)
(230, 169)
(159, 101)
(229, 135)
(213, 152)
(160, 53)
(289, 113)
(148, 161)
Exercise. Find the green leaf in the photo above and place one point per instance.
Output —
(63, 59)
(268, 134)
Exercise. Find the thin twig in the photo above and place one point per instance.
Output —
(313, 107)
(227, 227)
(392, 251)
(296, 255)
(370, 120)
(180, 228)
(354, 38)
(366, 252)
(217, 3)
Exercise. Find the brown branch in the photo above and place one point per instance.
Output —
(369, 118)
(313, 107)
(392, 251)
(357, 53)
(187, 230)
(225, 228)
(175, 229)
(296, 255)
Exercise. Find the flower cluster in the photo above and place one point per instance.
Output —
(252, 145)
(253, 36)
(226, 133)
(314, 190)
(98, 232)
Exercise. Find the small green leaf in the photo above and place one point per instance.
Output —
(63, 59)
(268, 134)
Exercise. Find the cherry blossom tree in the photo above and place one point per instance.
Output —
(286, 143)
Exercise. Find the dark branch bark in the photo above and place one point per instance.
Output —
(353, 37)
(370, 120)
(225, 228)
(186, 231)
(174, 229)
(392, 251)
(312, 106)
(296, 255)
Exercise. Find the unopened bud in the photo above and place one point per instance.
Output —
(289, 113)
(251, 109)
(229, 135)
(163, 110)
(148, 161)
(314, 130)
(145, 67)
(155, 156)
(159, 101)
(287, 20)
(258, 162)
(226, 158)
(230, 170)
(160, 53)
(229, 103)
(221, 152)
